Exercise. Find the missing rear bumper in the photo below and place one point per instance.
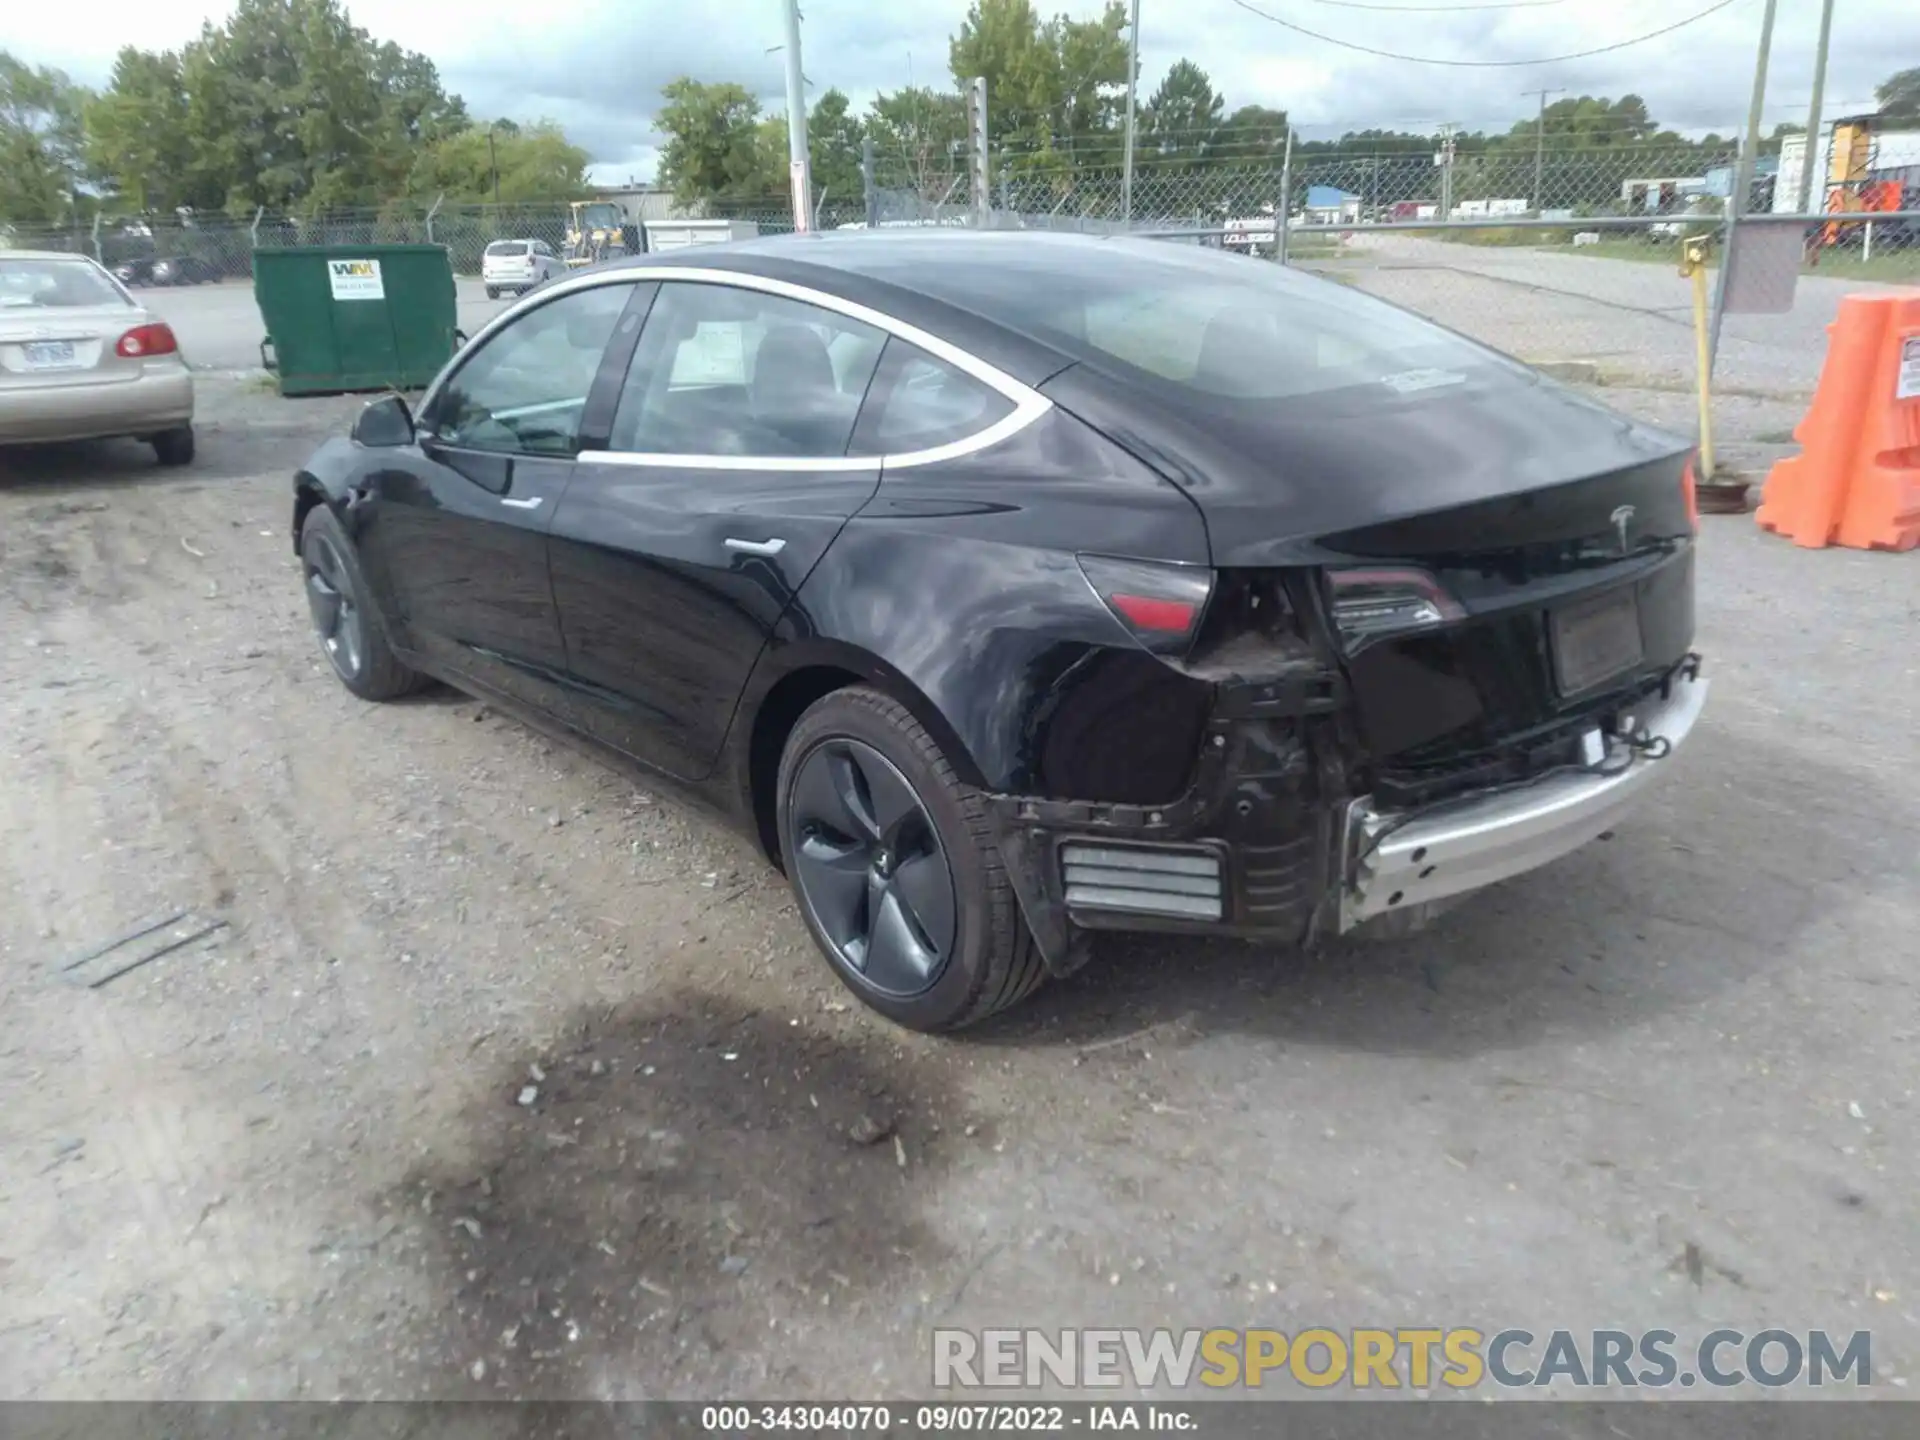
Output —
(1400, 860)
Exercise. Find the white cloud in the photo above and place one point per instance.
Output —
(597, 65)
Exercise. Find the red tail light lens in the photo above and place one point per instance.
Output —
(145, 340)
(1369, 602)
(1689, 487)
(1160, 604)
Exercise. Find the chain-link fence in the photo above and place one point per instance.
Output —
(1541, 251)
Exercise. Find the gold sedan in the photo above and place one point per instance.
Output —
(81, 359)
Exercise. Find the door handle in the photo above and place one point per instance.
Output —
(757, 547)
(533, 503)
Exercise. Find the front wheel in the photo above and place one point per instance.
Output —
(493, 292)
(351, 635)
(893, 863)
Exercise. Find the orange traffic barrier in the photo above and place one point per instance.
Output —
(1856, 480)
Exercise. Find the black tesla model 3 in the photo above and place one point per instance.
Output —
(1009, 587)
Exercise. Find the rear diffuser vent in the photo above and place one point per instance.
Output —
(1137, 880)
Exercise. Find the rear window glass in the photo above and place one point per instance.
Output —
(918, 402)
(1228, 331)
(55, 285)
(507, 247)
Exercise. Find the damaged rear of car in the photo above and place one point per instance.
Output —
(1443, 634)
(1013, 587)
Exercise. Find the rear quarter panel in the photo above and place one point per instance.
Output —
(956, 587)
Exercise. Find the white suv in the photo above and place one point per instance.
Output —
(518, 265)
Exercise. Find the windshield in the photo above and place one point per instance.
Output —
(55, 285)
(602, 217)
(507, 247)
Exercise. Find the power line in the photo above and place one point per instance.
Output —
(1482, 64)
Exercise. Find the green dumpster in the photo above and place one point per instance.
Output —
(359, 317)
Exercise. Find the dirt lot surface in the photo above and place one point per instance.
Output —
(509, 1078)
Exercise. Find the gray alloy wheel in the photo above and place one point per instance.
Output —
(869, 866)
(337, 618)
(350, 629)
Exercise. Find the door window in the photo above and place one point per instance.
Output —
(918, 402)
(726, 371)
(524, 390)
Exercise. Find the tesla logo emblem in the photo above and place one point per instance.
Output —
(1622, 517)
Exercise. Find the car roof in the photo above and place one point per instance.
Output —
(879, 267)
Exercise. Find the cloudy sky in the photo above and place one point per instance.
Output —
(597, 65)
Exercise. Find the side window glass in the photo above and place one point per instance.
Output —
(918, 402)
(723, 370)
(523, 392)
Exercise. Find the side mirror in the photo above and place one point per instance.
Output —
(384, 424)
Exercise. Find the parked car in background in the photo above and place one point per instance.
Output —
(1007, 588)
(164, 270)
(80, 359)
(518, 266)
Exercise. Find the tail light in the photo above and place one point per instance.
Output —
(1160, 604)
(145, 340)
(1372, 602)
(1689, 488)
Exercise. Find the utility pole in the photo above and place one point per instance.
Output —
(1446, 170)
(1743, 177)
(1133, 80)
(802, 179)
(1540, 147)
(1811, 154)
(493, 163)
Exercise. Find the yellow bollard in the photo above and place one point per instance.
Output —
(1693, 264)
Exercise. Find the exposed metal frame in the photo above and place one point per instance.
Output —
(1028, 404)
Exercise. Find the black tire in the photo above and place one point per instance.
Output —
(354, 640)
(493, 292)
(990, 961)
(174, 447)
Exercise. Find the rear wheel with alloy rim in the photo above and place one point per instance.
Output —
(351, 635)
(895, 868)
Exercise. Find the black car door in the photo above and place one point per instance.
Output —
(453, 530)
(725, 478)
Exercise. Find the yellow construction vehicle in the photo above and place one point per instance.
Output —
(597, 230)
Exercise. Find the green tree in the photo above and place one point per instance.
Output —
(1899, 95)
(537, 164)
(1090, 60)
(1252, 134)
(916, 133)
(42, 142)
(834, 134)
(287, 105)
(1054, 89)
(137, 134)
(1183, 119)
(716, 149)
(1002, 41)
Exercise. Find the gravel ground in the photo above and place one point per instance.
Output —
(510, 1078)
(1634, 319)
